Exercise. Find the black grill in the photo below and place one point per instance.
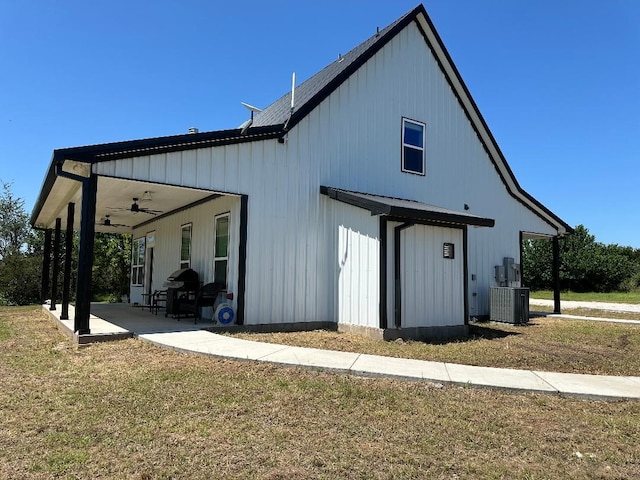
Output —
(180, 282)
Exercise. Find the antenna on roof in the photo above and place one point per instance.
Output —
(245, 126)
(293, 91)
(377, 31)
(293, 99)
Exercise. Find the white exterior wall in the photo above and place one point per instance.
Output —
(352, 140)
(168, 237)
(352, 236)
(432, 286)
(287, 268)
(355, 139)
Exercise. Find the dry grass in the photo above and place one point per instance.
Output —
(544, 344)
(130, 410)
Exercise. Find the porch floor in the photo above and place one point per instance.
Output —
(113, 321)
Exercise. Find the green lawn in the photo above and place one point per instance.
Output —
(614, 297)
(134, 411)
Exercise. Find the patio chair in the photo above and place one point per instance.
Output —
(206, 297)
(158, 300)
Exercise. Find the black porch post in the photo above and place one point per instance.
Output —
(556, 275)
(56, 265)
(68, 247)
(46, 266)
(85, 255)
(242, 260)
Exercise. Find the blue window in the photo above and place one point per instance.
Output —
(413, 151)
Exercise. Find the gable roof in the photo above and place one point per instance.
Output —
(276, 119)
(318, 87)
(311, 92)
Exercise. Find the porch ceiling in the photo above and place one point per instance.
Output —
(114, 199)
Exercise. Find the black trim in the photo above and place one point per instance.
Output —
(68, 250)
(397, 272)
(46, 266)
(389, 207)
(149, 146)
(341, 77)
(331, 86)
(556, 275)
(177, 210)
(242, 258)
(56, 265)
(465, 274)
(85, 255)
(482, 121)
(521, 237)
(383, 273)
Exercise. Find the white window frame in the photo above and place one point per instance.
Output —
(137, 269)
(215, 239)
(186, 263)
(422, 149)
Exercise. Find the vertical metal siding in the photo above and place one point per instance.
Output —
(432, 286)
(355, 254)
(168, 240)
(351, 141)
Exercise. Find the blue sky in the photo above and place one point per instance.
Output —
(558, 82)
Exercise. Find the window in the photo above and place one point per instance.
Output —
(185, 246)
(413, 151)
(137, 262)
(221, 249)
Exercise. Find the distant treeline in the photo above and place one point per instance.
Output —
(585, 265)
(22, 249)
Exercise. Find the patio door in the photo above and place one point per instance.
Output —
(221, 249)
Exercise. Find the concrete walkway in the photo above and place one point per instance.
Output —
(186, 337)
(606, 306)
(595, 387)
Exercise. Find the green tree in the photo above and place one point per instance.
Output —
(585, 265)
(14, 223)
(20, 252)
(111, 265)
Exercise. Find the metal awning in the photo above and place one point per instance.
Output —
(406, 209)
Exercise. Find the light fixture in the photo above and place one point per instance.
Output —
(146, 196)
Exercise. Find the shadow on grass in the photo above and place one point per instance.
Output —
(478, 332)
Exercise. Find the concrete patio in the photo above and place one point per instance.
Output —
(115, 321)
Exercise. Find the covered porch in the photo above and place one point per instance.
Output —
(117, 188)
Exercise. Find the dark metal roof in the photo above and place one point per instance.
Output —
(311, 92)
(402, 208)
(270, 123)
(147, 146)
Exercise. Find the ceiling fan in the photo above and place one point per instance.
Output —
(136, 208)
(106, 222)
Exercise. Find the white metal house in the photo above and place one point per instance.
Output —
(380, 201)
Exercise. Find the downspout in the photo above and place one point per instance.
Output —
(397, 272)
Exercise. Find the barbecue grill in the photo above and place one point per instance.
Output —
(180, 282)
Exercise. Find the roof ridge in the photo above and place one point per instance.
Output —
(314, 89)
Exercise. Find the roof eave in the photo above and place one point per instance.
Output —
(147, 146)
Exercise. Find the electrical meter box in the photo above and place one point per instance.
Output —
(500, 276)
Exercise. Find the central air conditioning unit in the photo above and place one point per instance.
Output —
(509, 305)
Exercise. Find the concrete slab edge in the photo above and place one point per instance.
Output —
(85, 340)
